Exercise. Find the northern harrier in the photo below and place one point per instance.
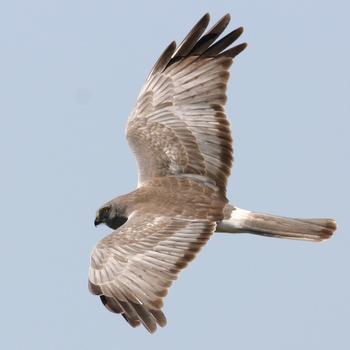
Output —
(181, 137)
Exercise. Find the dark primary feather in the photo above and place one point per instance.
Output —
(164, 59)
(234, 51)
(191, 38)
(213, 33)
(223, 43)
(178, 125)
(195, 44)
(182, 140)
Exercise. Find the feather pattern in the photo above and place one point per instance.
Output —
(133, 275)
(132, 268)
(181, 138)
(179, 125)
(182, 141)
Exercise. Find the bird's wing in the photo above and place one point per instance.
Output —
(133, 267)
(179, 125)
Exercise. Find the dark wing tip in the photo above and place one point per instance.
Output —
(213, 33)
(197, 44)
(111, 304)
(191, 38)
(226, 17)
(234, 51)
(164, 58)
(132, 322)
(205, 19)
(223, 43)
(135, 314)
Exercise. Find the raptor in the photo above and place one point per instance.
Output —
(181, 138)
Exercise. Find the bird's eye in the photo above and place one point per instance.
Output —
(105, 211)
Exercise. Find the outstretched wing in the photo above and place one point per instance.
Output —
(179, 125)
(132, 268)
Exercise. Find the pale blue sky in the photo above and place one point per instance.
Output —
(69, 75)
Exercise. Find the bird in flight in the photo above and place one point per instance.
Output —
(181, 138)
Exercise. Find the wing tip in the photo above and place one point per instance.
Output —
(197, 44)
(234, 51)
(226, 17)
(205, 18)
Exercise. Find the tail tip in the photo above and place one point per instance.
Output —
(329, 228)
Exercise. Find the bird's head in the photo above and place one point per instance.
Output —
(111, 215)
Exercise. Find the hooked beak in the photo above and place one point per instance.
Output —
(97, 221)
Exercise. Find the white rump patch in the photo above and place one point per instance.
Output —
(236, 222)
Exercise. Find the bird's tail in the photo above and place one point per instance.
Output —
(240, 221)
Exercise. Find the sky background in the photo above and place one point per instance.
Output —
(69, 75)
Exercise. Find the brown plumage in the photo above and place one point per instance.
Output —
(184, 94)
(182, 141)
